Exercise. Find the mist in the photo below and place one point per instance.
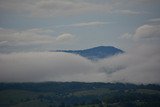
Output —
(140, 66)
(46, 66)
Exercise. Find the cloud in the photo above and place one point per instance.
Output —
(52, 8)
(154, 20)
(32, 36)
(126, 36)
(139, 65)
(26, 36)
(144, 32)
(147, 31)
(65, 37)
(86, 24)
(36, 39)
(3, 42)
(127, 12)
(46, 66)
(148, 1)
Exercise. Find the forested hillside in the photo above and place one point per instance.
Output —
(78, 94)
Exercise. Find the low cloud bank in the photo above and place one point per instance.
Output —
(47, 66)
(141, 65)
(133, 67)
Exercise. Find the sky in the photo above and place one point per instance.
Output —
(29, 29)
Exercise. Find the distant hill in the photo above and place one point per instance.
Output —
(95, 53)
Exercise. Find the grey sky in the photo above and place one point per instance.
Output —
(93, 22)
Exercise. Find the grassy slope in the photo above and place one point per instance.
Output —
(22, 98)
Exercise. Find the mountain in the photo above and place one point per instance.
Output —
(95, 53)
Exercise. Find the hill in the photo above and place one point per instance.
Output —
(78, 94)
(95, 53)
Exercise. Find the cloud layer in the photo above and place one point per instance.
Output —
(30, 36)
(46, 66)
(141, 65)
(65, 37)
(147, 31)
(86, 24)
(52, 8)
(35, 35)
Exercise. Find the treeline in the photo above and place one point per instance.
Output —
(73, 86)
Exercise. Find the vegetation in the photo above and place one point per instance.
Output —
(78, 94)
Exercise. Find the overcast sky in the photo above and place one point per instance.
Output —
(30, 28)
(72, 24)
